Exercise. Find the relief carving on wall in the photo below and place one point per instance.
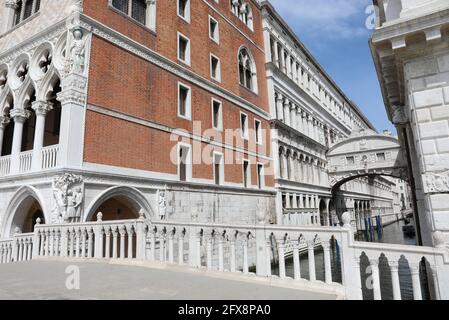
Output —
(436, 182)
(68, 197)
(162, 201)
(398, 115)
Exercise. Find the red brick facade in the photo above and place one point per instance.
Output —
(123, 82)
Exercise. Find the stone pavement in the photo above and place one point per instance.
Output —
(44, 280)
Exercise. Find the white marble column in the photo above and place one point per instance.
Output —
(41, 109)
(287, 111)
(19, 116)
(280, 107)
(150, 18)
(301, 201)
(4, 121)
(284, 168)
(8, 22)
(276, 53)
(327, 263)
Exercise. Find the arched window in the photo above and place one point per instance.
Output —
(243, 11)
(246, 70)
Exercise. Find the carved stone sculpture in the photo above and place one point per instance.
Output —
(162, 204)
(68, 196)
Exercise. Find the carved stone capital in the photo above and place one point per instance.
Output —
(11, 4)
(41, 107)
(19, 115)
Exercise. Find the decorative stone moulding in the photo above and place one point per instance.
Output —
(436, 182)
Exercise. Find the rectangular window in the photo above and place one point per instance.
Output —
(184, 9)
(381, 156)
(136, 9)
(246, 174)
(244, 125)
(184, 163)
(258, 131)
(215, 72)
(350, 160)
(218, 169)
(260, 176)
(284, 201)
(184, 101)
(214, 31)
(217, 115)
(29, 8)
(183, 49)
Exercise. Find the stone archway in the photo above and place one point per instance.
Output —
(120, 203)
(22, 212)
(333, 219)
(324, 213)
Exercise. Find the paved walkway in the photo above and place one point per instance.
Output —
(42, 280)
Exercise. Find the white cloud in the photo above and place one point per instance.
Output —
(332, 19)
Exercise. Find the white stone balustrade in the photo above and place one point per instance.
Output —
(258, 249)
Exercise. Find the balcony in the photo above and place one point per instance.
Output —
(395, 11)
(49, 160)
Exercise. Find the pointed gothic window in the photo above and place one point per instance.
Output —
(246, 72)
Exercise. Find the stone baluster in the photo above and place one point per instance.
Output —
(296, 261)
(311, 255)
(19, 250)
(232, 252)
(130, 233)
(245, 256)
(162, 246)
(171, 254)
(47, 243)
(181, 248)
(122, 232)
(57, 243)
(153, 246)
(98, 231)
(114, 242)
(281, 253)
(414, 269)
(107, 248)
(220, 253)
(30, 249)
(376, 279)
(209, 253)
(327, 262)
(83, 242)
(90, 242)
(394, 269)
(71, 242)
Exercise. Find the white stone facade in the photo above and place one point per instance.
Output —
(310, 114)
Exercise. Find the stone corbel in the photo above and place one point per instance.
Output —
(398, 43)
(433, 34)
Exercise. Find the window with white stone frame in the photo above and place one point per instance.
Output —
(23, 9)
(243, 11)
(247, 72)
(184, 9)
(246, 174)
(142, 11)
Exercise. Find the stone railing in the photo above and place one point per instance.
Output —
(17, 249)
(25, 159)
(5, 165)
(323, 256)
(50, 156)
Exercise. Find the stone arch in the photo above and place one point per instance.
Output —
(324, 213)
(41, 61)
(18, 209)
(134, 197)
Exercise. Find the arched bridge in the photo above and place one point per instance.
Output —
(366, 153)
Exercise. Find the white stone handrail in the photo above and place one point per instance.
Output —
(5, 165)
(50, 156)
(237, 248)
(25, 159)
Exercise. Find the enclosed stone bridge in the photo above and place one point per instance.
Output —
(366, 153)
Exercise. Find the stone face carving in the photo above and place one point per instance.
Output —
(68, 196)
(436, 182)
(346, 219)
(398, 115)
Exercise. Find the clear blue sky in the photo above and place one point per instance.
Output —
(335, 32)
